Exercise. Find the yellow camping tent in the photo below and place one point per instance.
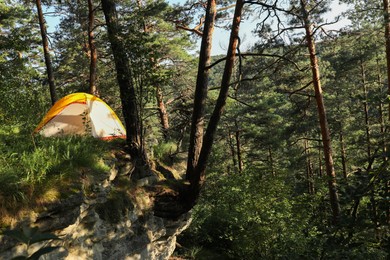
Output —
(81, 114)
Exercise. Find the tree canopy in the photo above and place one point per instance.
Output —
(283, 148)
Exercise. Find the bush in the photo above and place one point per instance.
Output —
(254, 216)
(163, 151)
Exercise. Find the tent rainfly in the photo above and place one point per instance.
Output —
(81, 114)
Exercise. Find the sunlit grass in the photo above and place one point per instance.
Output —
(35, 170)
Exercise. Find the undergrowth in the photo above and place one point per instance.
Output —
(34, 168)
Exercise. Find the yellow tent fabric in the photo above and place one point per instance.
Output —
(80, 114)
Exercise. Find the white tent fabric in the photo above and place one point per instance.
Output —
(81, 114)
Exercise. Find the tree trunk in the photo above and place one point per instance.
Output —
(343, 156)
(239, 157)
(386, 9)
(382, 129)
(319, 158)
(162, 112)
(365, 107)
(374, 212)
(387, 194)
(197, 179)
(334, 199)
(197, 122)
(381, 112)
(45, 44)
(232, 149)
(271, 161)
(93, 52)
(126, 86)
(309, 169)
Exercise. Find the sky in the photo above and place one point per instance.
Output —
(221, 37)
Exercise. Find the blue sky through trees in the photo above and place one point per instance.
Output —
(221, 36)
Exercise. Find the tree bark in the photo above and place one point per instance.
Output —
(325, 133)
(239, 157)
(386, 9)
(365, 108)
(309, 169)
(92, 48)
(197, 121)
(319, 159)
(197, 179)
(232, 149)
(46, 52)
(162, 112)
(381, 112)
(126, 86)
(383, 131)
(343, 156)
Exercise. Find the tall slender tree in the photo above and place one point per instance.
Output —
(197, 122)
(92, 49)
(198, 176)
(46, 51)
(325, 133)
(386, 14)
(124, 77)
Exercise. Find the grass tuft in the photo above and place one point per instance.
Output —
(37, 170)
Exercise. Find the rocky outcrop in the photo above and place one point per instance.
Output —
(113, 218)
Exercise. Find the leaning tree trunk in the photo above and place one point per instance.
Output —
(45, 44)
(126, 86)
(92, 48)
(197, 122)
(325, 133)
(197, 179)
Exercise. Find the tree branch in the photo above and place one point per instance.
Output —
(189, 29)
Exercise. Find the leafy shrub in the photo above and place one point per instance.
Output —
(252, 216)
(163, 151)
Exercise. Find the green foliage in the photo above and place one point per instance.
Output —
(252, 216)
(30, 236)
(266, 211)
(27, 162)
(164, 150)
(249, 217)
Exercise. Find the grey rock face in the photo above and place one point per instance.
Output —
(104, 226)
